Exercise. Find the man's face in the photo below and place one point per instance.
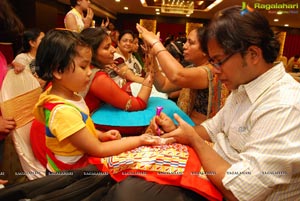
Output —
(233, 69)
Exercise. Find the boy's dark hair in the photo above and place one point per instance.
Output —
(235, 31)
(56, 52)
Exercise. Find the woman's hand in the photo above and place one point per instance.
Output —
(88, 18)
(109, 135)
(105, 23)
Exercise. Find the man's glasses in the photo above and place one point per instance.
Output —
(218, 65)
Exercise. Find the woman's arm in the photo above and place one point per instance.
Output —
(195, 78)
(128, 74)
(161, 82)
(105, 89)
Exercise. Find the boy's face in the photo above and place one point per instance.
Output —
(76, 78)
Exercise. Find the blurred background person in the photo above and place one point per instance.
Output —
(76, 19)
(11, 30)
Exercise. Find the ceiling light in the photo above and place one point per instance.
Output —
(286, 25)
(125, 8)
(117, 0)
(276, 20)
(177, 7)
(213, 5)
(143, 2)
(200, 3)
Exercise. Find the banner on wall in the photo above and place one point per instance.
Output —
(150, 25)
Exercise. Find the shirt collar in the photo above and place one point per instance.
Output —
(256, 87)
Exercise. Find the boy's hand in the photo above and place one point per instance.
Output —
(110, 135)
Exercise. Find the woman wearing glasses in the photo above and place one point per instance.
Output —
(201, 97)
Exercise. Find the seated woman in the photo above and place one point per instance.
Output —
(102, 88)
(105, 98)
(129, 67)
(204, 97)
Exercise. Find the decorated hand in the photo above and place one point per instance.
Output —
(110, 135)
(148, 36)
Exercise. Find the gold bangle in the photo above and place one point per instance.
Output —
(159, 51)
(155, 42)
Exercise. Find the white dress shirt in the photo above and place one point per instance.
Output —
(258, 133)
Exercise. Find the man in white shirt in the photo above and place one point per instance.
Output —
(256, 134)
(256, 152)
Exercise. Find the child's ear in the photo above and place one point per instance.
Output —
(57, 75)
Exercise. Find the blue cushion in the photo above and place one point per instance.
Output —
(111, 116)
